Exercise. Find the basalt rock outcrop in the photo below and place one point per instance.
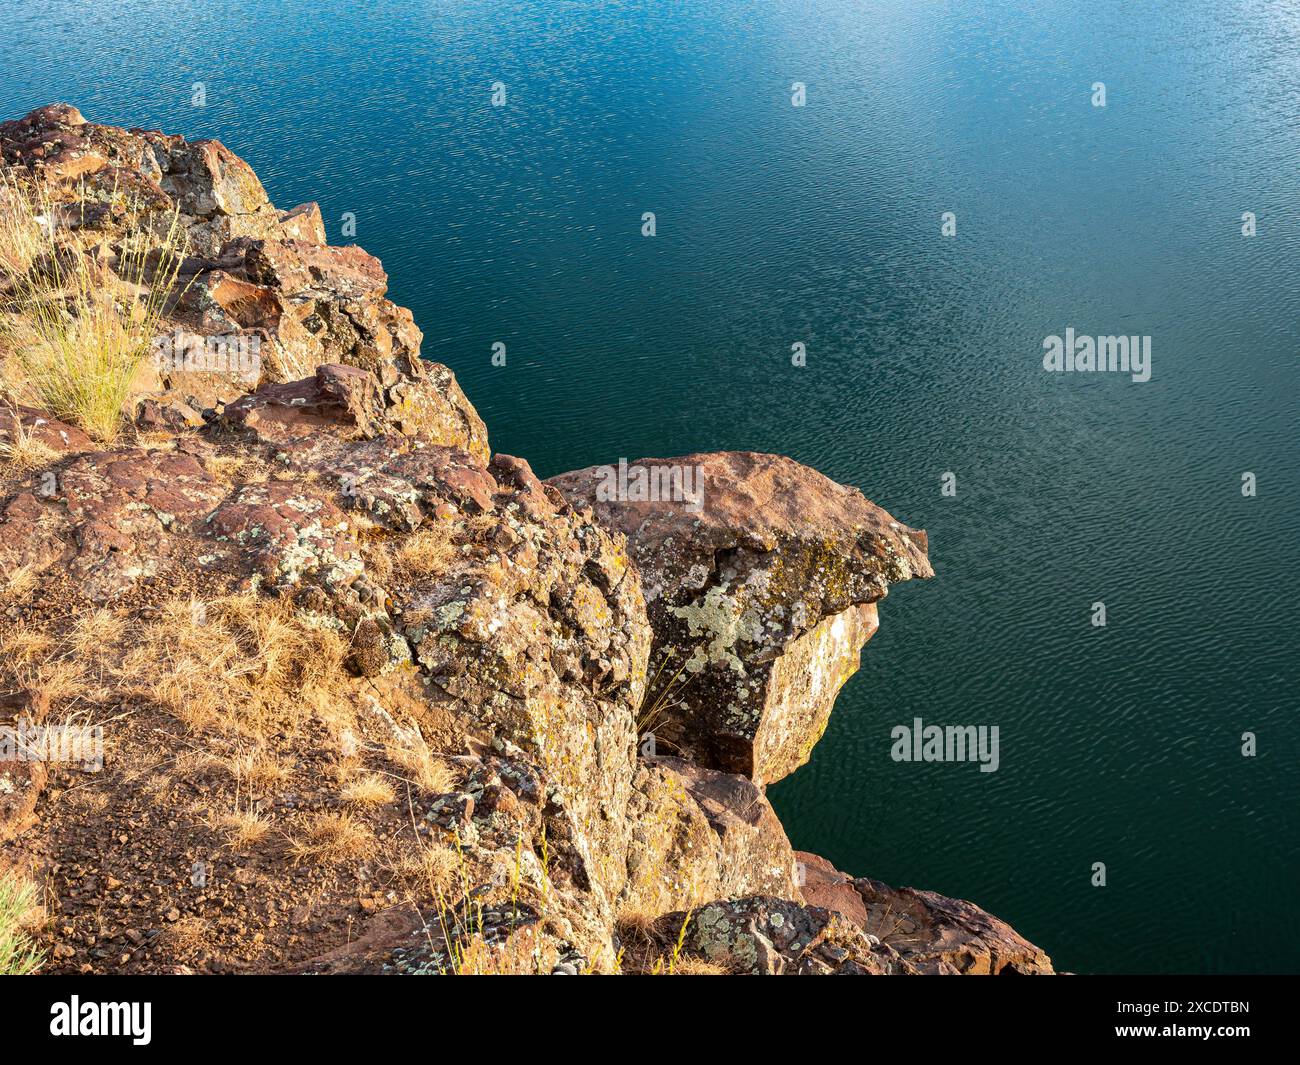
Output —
(530, 631)
(262, 281)
(931, 932)
(699, 835)
(761, 593)
(537, 729)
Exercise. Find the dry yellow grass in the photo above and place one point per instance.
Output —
(16, 582)
(26, 646)
(22, 232)
(368, 789)
(25, 452)
(643, 953)
(198, 764)
(331, 837)
(20, 448)
(257, 770)
(234, 468)
(88, 802)
(242, 673)
(428, 550)
(634, 926)
(185, 938)
(241, 663)
(431, 872)
(35, 661)
(94, 630)
(80, 331)
(428, 772)
(634, 923)
(243, 827)
(379, 561)
(698, 967)
(477, 957)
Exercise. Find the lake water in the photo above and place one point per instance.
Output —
(821, 224)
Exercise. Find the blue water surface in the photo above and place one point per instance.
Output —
(821, 224)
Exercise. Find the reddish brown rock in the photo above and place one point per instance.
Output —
(399, 487)
(426, 402)
(304, 223)
(288, 533)
(253, 275)
(932, 932)
(526, 628)
(337, 397)
(115, 518)
(512, 639)
(217, 194)
(760, 581)
(312, 416)
(26, 423)
(536, 631)
(21, 783)
(309, 303)
(699, 835)
(124, 509)
(166, 412)
(229, 305)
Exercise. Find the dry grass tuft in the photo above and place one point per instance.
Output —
(431, 872)
(234, 468)
(643, 949)
(243, 827)
(428, 550)
(241, 663)
(16, 582)
(92, 630)
(20, 448)
(22, 229)
(332, 837)
(186, 938)
(32, 659)
(80, 331)
(635, 925)
(369, 789)
(429, 773)
(691, 966)
(257, 770)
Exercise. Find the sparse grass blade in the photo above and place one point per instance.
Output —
(18, 954)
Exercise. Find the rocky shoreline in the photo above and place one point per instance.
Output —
(375, 699)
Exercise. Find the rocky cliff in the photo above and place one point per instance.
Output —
(373, 699)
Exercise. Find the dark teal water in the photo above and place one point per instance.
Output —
(821, 224)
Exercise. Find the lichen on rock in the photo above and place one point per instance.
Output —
(760, 597)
